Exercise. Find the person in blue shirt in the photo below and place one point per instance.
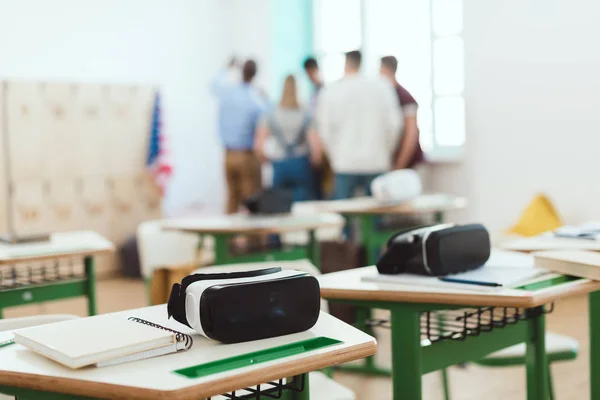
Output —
(240, 106)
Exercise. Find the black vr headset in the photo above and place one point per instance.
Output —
(436, 250)
(270, 201)
(250, 305)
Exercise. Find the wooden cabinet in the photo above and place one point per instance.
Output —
(30, 211)
(92, 131)
(76, 158)
(24, 135)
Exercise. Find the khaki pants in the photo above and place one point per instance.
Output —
(243, 174)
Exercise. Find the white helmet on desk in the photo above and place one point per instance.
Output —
(396, 186)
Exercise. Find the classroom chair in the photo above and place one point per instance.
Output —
(11, 324)
(558, 348)
(159, 248)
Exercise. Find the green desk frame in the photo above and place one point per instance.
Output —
(223, 256)
(31, 394)
(58, 290)
(410, 360)
(373, 240)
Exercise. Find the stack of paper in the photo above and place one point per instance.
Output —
(589, 230)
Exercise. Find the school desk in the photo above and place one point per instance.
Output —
(368, 211)
(548, 242)
(52, 270)
(223, 228)
(433, 328)
(185, 375)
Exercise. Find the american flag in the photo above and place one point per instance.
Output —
(157, 163)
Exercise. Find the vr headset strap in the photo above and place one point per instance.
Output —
(176, 303)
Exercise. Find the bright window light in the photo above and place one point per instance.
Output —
(447, 17)
(449, 114)
(332, 66)
(425, 37)
(339, 30)
(448, 66)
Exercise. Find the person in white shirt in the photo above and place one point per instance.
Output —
(359, 122)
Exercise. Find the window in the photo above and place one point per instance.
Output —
(426, 38)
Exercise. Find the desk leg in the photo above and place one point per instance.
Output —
(536, 358)
(406, 354)
(438, 217)
(594, 316)
(367, 227)
(304, 394)
(90, 273)
(314, 252)
(221, 249)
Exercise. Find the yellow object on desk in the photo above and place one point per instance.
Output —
(540, 216)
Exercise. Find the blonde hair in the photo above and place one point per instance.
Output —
(289, 97)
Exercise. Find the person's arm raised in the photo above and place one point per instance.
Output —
(223, 79)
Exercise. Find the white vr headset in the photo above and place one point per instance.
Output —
(250, 305)
(396, 186)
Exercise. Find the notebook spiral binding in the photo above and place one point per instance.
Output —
(180, 337)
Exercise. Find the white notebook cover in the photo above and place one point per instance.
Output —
(80, 342)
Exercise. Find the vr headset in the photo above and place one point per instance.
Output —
(396, 186)
(241, 306)
(436, 250)
(270, 201)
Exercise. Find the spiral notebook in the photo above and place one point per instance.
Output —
(101, 340)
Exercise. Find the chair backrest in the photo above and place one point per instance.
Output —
(11, 324)
(157, 247)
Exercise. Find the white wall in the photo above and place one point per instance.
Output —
(532, 95)
(177, 44)
(249, 35)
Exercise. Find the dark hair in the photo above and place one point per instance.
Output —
(354, 57)
(390, 62)
(310, 63)
(249, 71)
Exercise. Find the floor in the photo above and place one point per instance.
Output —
(472, 382)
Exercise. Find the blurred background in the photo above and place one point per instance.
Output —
(108, 116)
(503, 86)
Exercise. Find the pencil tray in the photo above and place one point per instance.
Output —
(41, 272)
(437, 326)
(268, 390)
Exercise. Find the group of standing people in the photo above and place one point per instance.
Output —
(352, 131)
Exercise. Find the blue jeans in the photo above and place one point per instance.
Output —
(295, 174)
(347, 184)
